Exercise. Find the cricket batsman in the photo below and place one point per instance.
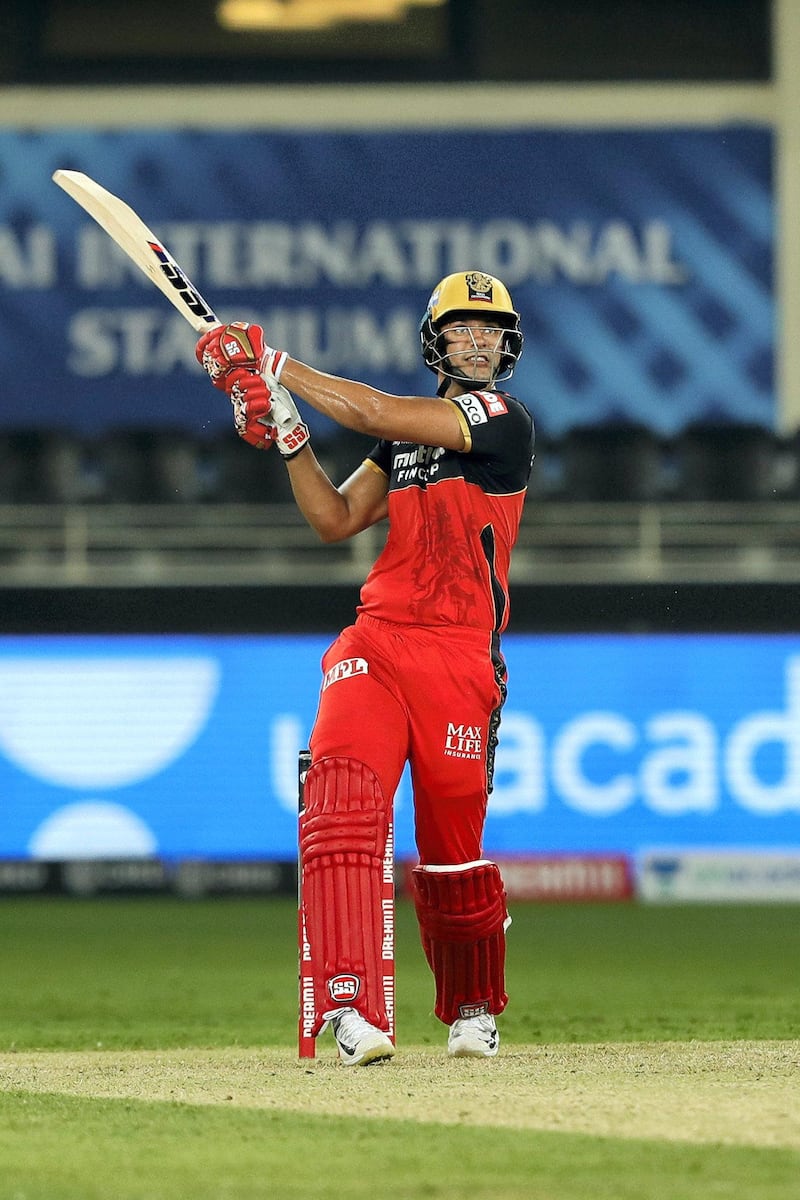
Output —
(419, 676)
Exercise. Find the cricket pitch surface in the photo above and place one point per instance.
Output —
(729, 1093)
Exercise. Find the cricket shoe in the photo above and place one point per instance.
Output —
(473, 1037)
(360, 1043)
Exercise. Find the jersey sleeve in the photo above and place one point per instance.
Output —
(380, 457)
(502, 435)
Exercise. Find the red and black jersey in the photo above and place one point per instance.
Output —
(453, 519)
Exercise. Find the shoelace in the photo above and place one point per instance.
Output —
(349, 1026)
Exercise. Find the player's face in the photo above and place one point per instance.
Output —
(474, 347)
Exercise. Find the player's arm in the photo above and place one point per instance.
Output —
(265, 415)
(425, 420)
(337, 513)
(268, 414)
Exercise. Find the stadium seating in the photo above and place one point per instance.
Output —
(618, 463)
(730, 462)
(38, 466)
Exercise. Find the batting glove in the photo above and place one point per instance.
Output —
(226, 347)
(265, 412)
(252, 408)
(291, 430)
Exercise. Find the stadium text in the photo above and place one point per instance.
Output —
(246, 254)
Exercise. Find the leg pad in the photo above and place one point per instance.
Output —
(462, 917)
(342, 840)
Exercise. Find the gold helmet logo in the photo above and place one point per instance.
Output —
(479, 286)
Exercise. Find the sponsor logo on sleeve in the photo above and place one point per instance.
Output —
(495, 405)
(479, 406)
(472, 409)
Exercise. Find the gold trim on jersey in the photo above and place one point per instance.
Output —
(464, 423)
(368, 462)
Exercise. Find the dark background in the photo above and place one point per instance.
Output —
(548, 608)
(545, 41)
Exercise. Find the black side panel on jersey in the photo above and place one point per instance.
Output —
(501, 675)
(498, 595)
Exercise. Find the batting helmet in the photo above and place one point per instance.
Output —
(470, 294)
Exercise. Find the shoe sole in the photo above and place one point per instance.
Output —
(472, 1051)
(371, 1057)
(375, 1054)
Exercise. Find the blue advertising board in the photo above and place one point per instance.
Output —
(641, 261)
(184, 746)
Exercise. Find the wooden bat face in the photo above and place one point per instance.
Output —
(141, 245)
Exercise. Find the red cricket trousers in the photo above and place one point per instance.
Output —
(427, 695)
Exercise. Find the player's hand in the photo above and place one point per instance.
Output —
(252, 407)
(265, 412)
(227, 347)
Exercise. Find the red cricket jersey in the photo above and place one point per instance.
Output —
(453, 519)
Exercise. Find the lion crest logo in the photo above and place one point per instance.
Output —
(479, 286)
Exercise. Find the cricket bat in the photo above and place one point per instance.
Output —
(140, 244)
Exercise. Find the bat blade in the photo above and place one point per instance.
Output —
(141, 245)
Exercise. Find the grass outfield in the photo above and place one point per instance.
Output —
(147, 1052)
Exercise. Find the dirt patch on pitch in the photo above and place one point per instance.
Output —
(735, 1093)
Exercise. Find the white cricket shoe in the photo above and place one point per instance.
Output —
(359, 1042)
(473, 1037)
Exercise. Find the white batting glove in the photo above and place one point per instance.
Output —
(292, 431)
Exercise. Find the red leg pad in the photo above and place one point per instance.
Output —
(462, 916)
(342, 839)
